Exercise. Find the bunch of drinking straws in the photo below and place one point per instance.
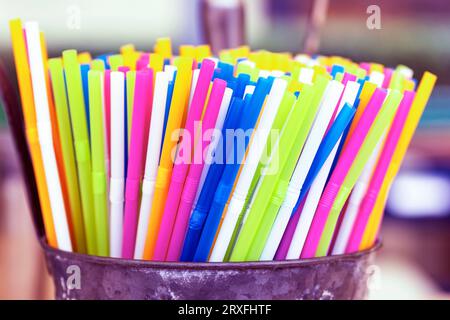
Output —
(250, 156)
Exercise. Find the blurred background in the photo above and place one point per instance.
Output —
(415, 259)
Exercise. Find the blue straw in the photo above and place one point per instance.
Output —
(252, 108)
(84, 68)
(206, 197)
(326, 147)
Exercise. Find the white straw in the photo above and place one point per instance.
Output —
(44, 129)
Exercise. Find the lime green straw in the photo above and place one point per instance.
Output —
(98, 160)
(285, 108)
(256, 227)
(397, 81)
(381, 123)
(81, 144)
(115, 61)
(98, 64)
(226, 57)
(130, 82)
(65, 134)
(245, 68)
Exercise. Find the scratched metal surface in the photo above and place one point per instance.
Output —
(338, 277)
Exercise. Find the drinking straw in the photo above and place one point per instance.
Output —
(106, 115)
(56, 139)
(282, 230)
(156, 62)
(364, 99)
(242, 81)
(283, 111)
(104, 58)
(202, 52)
(81, 144)
(380, 125)
(177, 107)
(181, 167)
(292, 178)
(98, 161)
(317, 177)
(163, 47)
(195, 75)
(377, 78)
(306, 75)
(387, 77)
(370, 116)
(129, 56)
(187, 50)
(29, 115)
(252, 159)
(352, 227)
(351, 209)
(195, 171)
(142, 102)
(423, 93)
(98, 64)
(268, 184)
(124, 116)
(152, 159)
(45, 136)
(223, 111)
(252, 107)
(407, 72)
(205, 199)
(130, 84)
(117, 180)
(115, 61)
(397, 80)
(348, 96)
(84, 58)
(168, 103)
(65, 133)
(273, 186)
(84, 68)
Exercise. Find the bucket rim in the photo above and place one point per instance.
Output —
(136, 263)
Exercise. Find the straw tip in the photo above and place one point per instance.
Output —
(69, 53)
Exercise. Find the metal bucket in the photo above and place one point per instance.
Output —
(79, 276)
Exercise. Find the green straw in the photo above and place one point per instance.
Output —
(65, 133)
(298, 125)
(81, 144)
(380, 125)
(98, 65)
(285, 108)
(98, 160)
(130, 82)
(115, 61)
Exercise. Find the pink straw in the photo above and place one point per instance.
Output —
(143, 61)
(365, 66)
(371, 196)
(180, 169)
(387, 77)
(138, 148)
(195, 172)
(107, 98)
(340, 172)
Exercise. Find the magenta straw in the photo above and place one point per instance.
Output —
(340, 172)
(371, 196)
